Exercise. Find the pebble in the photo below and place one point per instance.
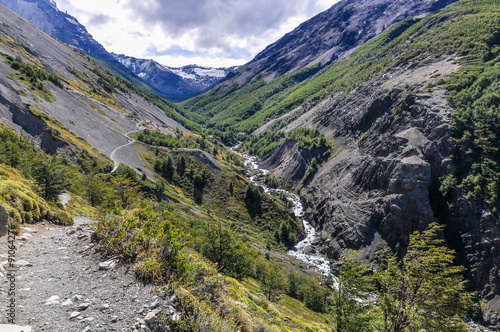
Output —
(53, 300)
(107, 265)
(66, 303)
(104, 307)
(83, 306)
(22, 263)
(150, 318)
(74, 314)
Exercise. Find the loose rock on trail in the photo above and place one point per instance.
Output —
(61, 286)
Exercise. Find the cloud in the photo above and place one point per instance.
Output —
(100, 19)
(222, 25)
(205, 32)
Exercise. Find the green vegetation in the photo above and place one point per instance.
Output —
(422, 291)
(33, 76)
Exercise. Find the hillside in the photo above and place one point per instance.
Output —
(409, 125)
(330, 35)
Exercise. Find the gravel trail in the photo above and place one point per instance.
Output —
(63, 285)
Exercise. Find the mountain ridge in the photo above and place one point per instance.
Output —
(46, 15)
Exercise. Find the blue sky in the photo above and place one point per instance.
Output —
(215, 33)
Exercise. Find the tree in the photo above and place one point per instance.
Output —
(350, 312)
(221, 247)
(424, 291)
(181, 165)
(50, 178)
(94, 189)
(272, 279)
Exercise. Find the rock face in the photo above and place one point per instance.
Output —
(4, 218)
(329, 35)
(45, 15)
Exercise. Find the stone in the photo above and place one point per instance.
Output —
(66, 303)
(103, 307)
(74, 314)
(241, 304)
(78, 297)
(29, 230)
(151, 318)
(53, 300)
(87, 329)
(71, 232)
(107, 265)
(4, 218)
(86, 320)
(114, 319)
(22, 263)
(154, 305)
(83, 306)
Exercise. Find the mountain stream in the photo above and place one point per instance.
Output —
(256, 175)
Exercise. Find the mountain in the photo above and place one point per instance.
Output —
(329, 35)
(46, 15)
(395, 134)
(67, 103)
(189, 82)
(177, 84)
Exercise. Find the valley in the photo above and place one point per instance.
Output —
(346, 179)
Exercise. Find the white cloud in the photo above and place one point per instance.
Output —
(206, 32)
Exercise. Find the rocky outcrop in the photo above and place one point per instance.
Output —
(392, 138)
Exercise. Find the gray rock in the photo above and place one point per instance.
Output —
(74, 314)
(53, 300)
(114, 319)
(83, 306)
(103, 307)
(22, 263)
(154, 305)
(66, 303)
(107, 265)
(151, 318)
(29, 230)
(87, 329)
(78, 297)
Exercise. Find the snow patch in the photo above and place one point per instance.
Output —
(212, 72)
(183, 74)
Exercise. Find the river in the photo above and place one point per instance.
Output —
(256, 175)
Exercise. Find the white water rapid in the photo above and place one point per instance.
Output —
(256, 175)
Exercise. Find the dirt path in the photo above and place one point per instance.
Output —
(131, 141)
(62, 285)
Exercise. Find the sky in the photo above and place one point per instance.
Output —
(212, 33)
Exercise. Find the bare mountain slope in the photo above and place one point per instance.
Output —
(82, 108)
